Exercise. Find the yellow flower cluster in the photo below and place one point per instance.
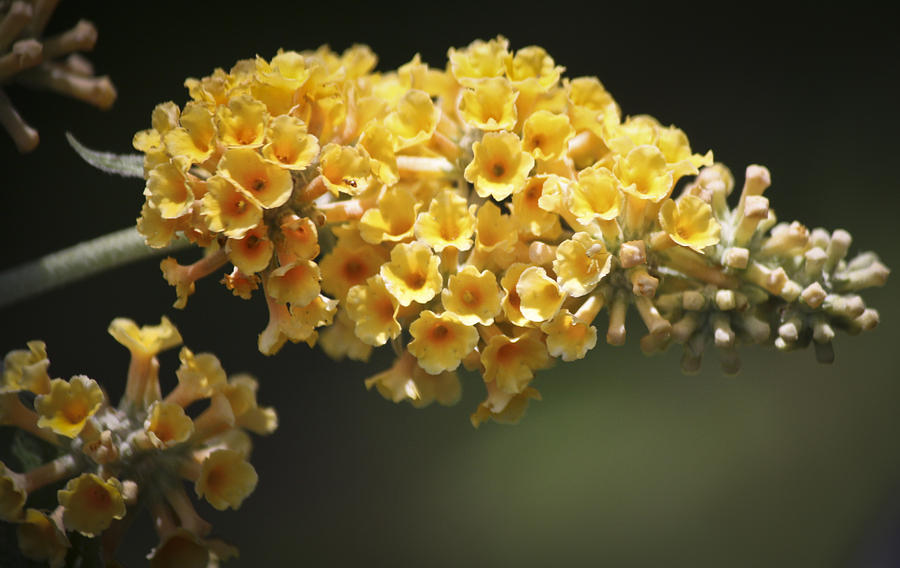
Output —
(480, 215)
(120, 458)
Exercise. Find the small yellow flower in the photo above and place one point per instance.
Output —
(276, 82)
(689, 222)
(157, 231)
(68, 405)
(494, 230)
(500, 167)
(340, 340)
(374, 311)
(167, 425)
(581, 262)
(512, 410)
(392, 219)
(168, 191)
(91, 503)
(241, 393)
(226, 479)
(596, 195)
(511, 302)
(199, 376)
(448, 222)
(540, 296)
(211, 90)
(567, 337)
(546, 134)
(532, 69)
(26, 370)
(306, 318)
(163, 119)
(378, 141)
(12, 495)
(414, 120)
(242, 122)
(413, 274)
(644, 174)
(288, 144)
(299, 238)
(348, 264)
(148, 340)
(265, 182)
(183, 548)
(591, 107)
(344, 169)
(526, 211)
(472, 296)
(440, 341)
(41, 540)
(406, 380)
(674, 145)
(240, 284)
(195, 138)
(479, 60)
(252, 252)
(295, 283)
(228, 210)
(511, 362)
(490, 105)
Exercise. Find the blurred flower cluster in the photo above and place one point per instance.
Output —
(481, 215)
(27, 58)
(120, 459)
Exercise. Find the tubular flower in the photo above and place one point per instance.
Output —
(490, 105)
(114, 460)
(440, 341)
(500, 166)
(26, 370)
(448, 223)
(262, 181)
(374, 311)
(472, 296)
(689, 222)
(412, 275)
(392, 219)
(512, 361)
(546, 135)
(40, 539)
(228, 210)
(226, 479)
(288, 144)
(91, 503)
(68, 405)
(491, 192)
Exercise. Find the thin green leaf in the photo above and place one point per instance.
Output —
(126, 165)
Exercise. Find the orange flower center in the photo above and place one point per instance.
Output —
(415, 280)
(439, 332)
(507, 353)
(75, 411)
(98, 497)
(498, 169)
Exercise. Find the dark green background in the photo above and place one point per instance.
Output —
(626, 462)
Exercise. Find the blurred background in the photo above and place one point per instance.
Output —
(626, 462)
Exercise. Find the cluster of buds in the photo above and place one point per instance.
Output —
(45, 63)
(481, 215)
(121, 459)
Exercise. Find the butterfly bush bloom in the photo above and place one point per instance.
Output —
(491, 214)
(118, 459)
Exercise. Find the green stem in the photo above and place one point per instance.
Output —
(77, 262)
